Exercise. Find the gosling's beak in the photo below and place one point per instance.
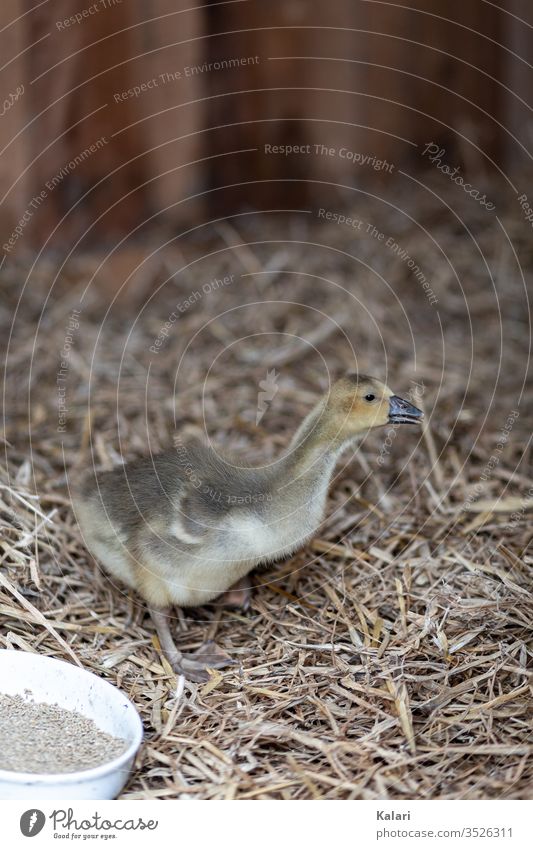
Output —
(402, 412)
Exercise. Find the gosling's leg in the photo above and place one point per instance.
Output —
(193, 666)
(239, 595)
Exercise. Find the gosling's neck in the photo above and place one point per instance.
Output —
(314, 448)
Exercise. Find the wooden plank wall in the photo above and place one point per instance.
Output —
(372, 77)
(378, 79)
(88, 82)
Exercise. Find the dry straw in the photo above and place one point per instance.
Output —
(389, 659)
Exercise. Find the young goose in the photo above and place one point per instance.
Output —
(184, 526)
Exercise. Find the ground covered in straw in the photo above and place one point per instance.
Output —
(389, 659)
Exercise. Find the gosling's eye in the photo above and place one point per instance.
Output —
(370, 397)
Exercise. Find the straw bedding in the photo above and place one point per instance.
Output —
(390, 658)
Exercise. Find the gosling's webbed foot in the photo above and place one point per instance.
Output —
(195, 666)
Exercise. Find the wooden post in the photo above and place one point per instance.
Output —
(14, 140)
(518, 115)
(96, 137)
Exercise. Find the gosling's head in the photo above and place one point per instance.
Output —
(358, 403)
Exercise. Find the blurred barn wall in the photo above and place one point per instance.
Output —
(181, 101)
(374, 78)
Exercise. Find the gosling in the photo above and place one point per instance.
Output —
(185, 526)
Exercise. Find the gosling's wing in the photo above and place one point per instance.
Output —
(167, 494)
(139, 492)
(186, 493)
(219, 487)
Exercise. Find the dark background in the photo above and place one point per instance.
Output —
(379, 78)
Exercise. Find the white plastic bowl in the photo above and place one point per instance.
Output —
(56, 682)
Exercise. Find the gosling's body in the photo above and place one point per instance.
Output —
(185, 526)
(182, 541)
